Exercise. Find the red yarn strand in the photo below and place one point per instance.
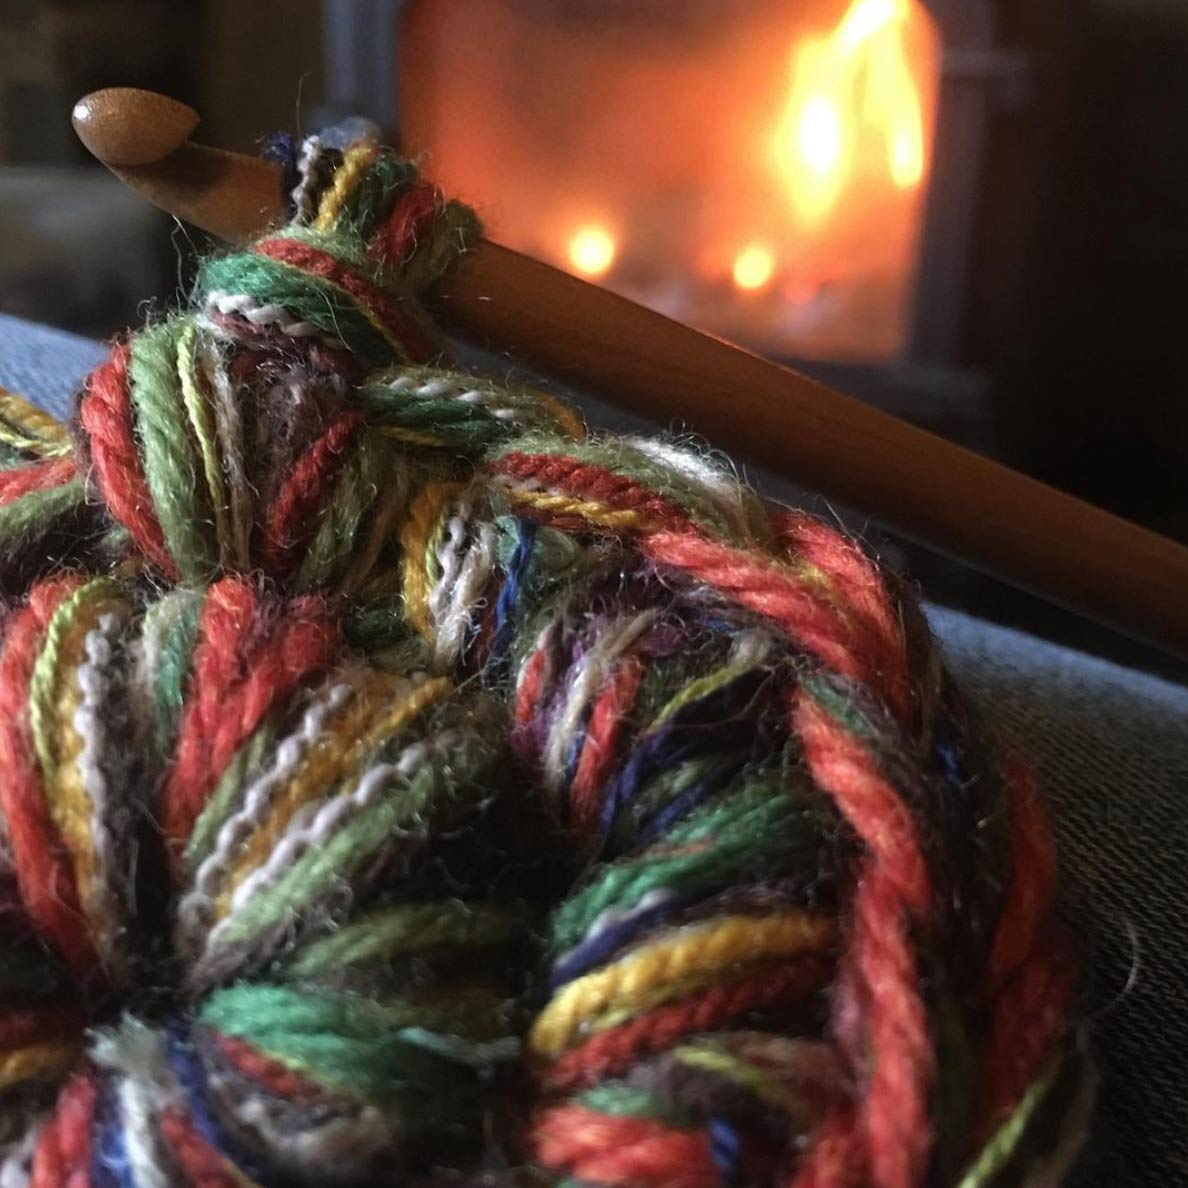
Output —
(41, 863)
(608, 724)
(236, 680)
(63, 1156)
(36, 476)
(893, 891)
(204, 1167)
(860, 588)
(291, 514)
(106, 415)
(410, 220)
(630, 1152)
(776, 594)
(1031, 970)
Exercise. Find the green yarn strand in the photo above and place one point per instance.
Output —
(172, 462)
(334, 311)
(1007, 1140)
(348, 1044)
(763, 827)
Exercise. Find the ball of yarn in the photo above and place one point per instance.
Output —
(399, 785)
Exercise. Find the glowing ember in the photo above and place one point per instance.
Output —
(853, 99)
(753, 267)
(592, 251)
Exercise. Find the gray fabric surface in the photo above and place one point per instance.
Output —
(1112, 748)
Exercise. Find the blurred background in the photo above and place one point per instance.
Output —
(969, 212)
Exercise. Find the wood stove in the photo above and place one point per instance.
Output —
(800, 177)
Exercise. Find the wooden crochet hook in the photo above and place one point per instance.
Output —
(920, 485)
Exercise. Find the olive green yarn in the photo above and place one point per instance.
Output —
(42, 691)
(997, 1154)
(406, 929)
(205, 436)
(405, 812)
(32, 517)
(172, 462)
(365, 477)
(764, 826)
(246, 762)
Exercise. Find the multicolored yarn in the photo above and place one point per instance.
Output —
(400, 785)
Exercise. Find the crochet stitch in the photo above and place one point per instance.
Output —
(398, 784)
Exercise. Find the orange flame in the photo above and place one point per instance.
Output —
(853, 99)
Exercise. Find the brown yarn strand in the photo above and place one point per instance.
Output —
(931, 491)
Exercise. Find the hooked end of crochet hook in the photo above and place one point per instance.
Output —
(143, 138)
(127, 126)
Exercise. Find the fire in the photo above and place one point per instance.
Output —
(753, 267)
(767, 185)
(592, 251)
(819, 136)
(853, 99)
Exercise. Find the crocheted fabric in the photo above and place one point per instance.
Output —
(397, 784)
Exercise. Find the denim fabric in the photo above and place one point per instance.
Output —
(1112, 748)
(44, 365)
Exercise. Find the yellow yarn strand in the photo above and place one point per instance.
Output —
(55, 696)
(198, 410)
(700, 687)
(568, 422)
(38, 1062)
(66, 796)
(346, 178)
(423, 523)
(730, 1067)
(28, 428)
(597, 514)
(689, 953)
(412, 436)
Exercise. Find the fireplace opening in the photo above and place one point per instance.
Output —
(763, 177)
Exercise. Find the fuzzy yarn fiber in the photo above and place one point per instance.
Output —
(398, 785)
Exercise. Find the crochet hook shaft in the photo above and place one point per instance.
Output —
(929, 490)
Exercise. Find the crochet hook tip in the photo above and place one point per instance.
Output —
(144, 139)
(126, 126)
